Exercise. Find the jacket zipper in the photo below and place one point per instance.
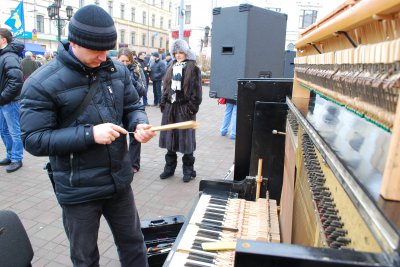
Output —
(112, 97)
(71, 158)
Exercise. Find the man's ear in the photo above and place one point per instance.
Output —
(72, 44)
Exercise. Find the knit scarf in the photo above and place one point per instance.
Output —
(176, 79)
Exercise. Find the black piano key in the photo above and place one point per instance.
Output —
(217, 223)
(198, 247)
(214, 198)
(190, 264)
(198, 243)
(200, 258)
(218, 203)
(209, 235)
(214, 216)
(215, 211)
(220, 197)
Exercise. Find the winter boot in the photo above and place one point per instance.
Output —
(170, 165)
(188, 170)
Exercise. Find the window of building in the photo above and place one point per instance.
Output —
(122, 11)
(122, 36)
(144, 39)
(170, 6)
(161, 22)
(162, 3)
(133, 14)
(40, 23)
(154, 2)
(152, 40)
(133, 38)
(169, 24)
(110, 8)
(144, 17)
(153, 20)
(81, 3)
(161, 42)
(188, 13)
(307, 17)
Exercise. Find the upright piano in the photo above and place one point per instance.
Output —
(329, 141)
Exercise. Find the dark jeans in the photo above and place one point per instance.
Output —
(157, 92)
(82, 221)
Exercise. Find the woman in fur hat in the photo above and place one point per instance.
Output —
(180, 101)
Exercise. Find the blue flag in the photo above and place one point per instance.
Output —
(16, 20)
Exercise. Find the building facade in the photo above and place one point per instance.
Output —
(142, 25)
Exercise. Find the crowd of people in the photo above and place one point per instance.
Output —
(78, 110)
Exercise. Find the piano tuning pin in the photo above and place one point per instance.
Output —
(332, 238)
(323, 218)
(335, 244)
(338, 233)
(326, 193)
(344, 231)
(343, 240)
(335, 217)
(329, 230)
(327, 223)
(325, 199)
(317, 197)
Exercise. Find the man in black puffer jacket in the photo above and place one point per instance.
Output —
(89, 158)
(10, 88)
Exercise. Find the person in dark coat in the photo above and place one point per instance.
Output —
(157, 71)
(141, 59)
(10, 89)
(125, 55)
(168, 59)
(89, 158)
(180, 101)
(28, 65)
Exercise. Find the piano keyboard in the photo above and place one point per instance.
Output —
(224, 219)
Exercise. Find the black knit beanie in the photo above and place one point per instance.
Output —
(93, 28)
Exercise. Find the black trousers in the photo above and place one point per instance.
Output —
(82, 221)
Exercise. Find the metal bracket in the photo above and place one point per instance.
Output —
(348, 38)
(315, 47)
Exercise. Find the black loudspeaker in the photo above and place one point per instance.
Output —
(247, 42)
(15, 246)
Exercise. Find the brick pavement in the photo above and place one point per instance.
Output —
(28, 191)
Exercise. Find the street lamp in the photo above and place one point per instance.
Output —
(54, 14)
(204, 41)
